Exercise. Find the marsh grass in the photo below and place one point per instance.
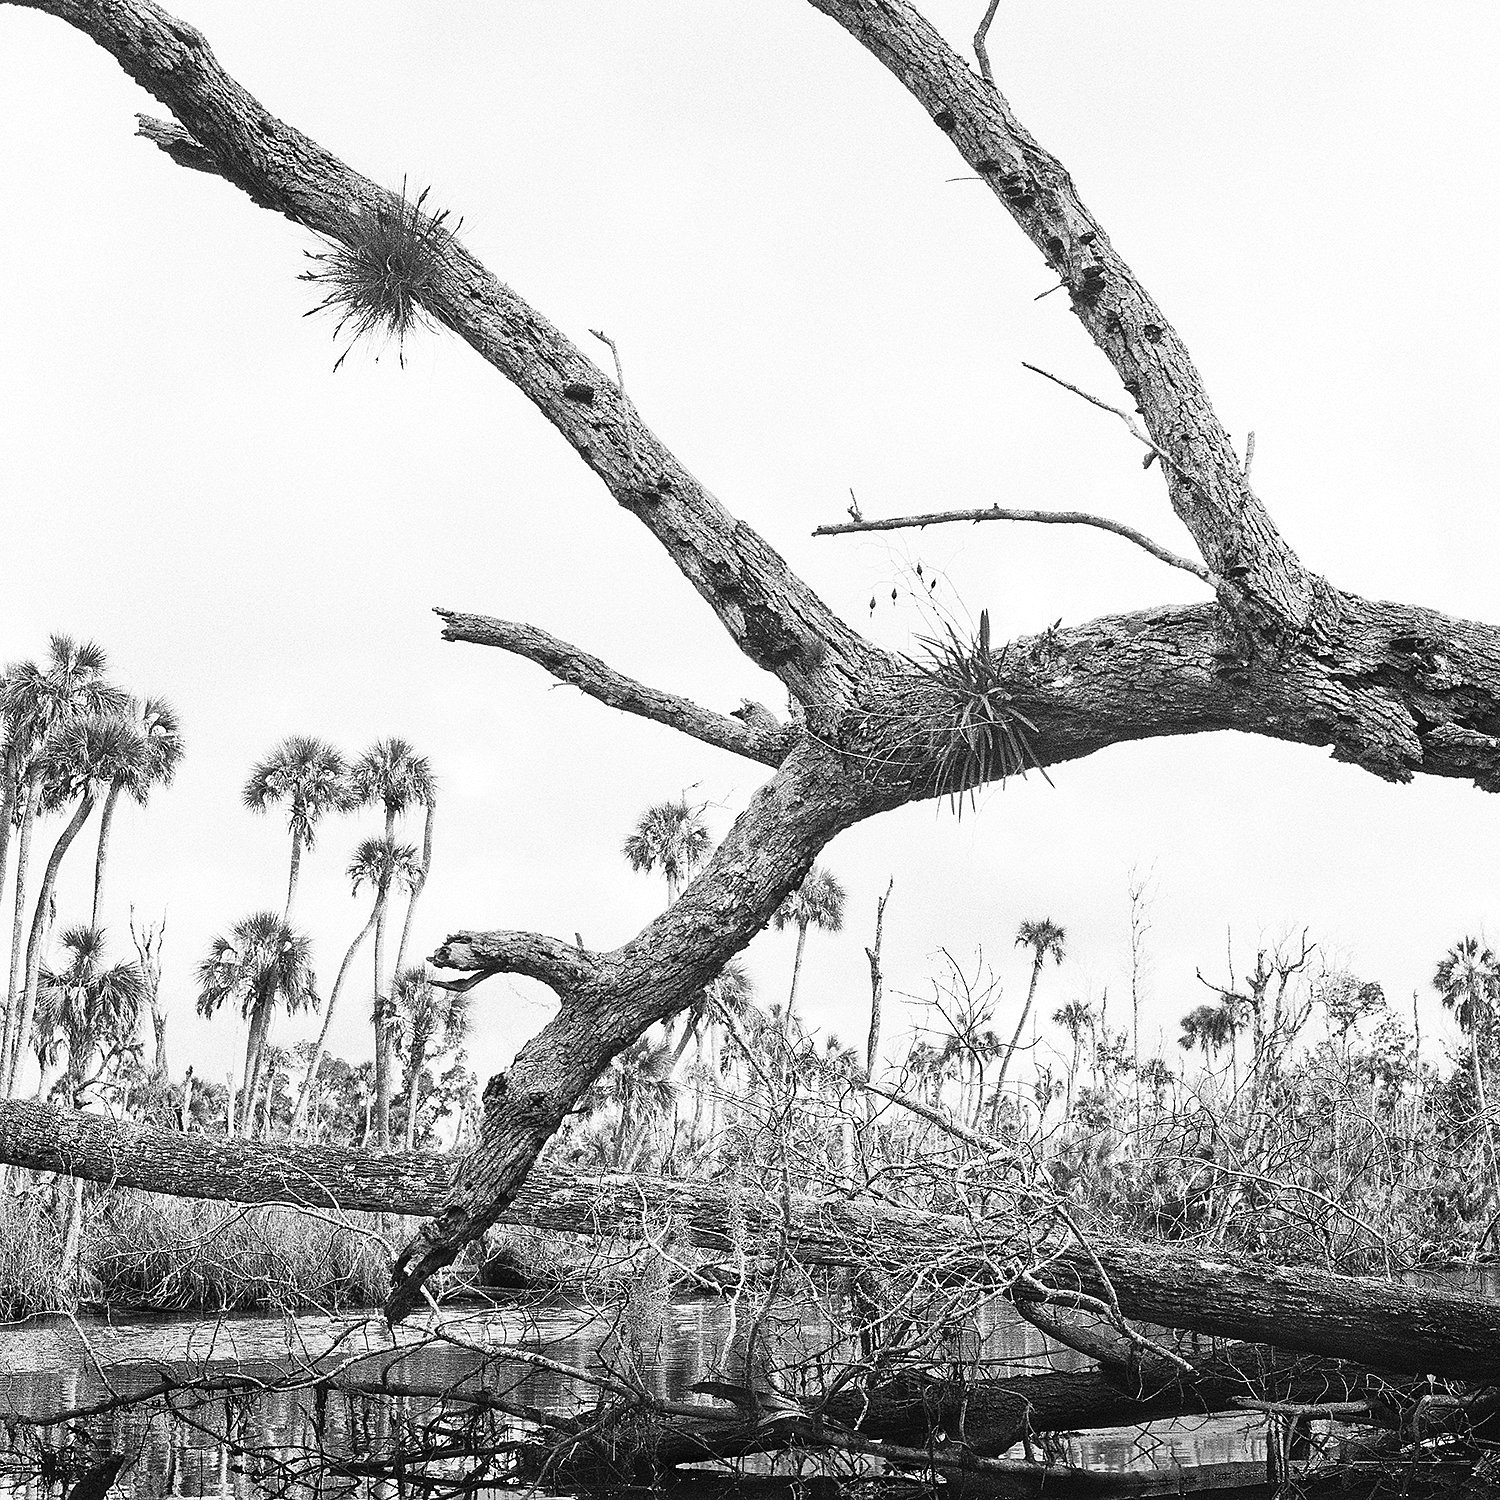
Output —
(30, 1255)
(376, 283)
(141, 1251)
(180, 1253)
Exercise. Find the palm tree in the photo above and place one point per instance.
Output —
(432, 1020)
(79, 757)
(1075, 1018)
(84, 1010)
(380, 863)
(161, 749)
(310, 776)
(263, 961)
(671, 837)
(1468, 982)
(817, 902)
(34, 701)
(1046, 940)
(90, 1015)
(1210, 1028)
(392, 774)
(639, 1085)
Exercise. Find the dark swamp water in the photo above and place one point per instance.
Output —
(302, 1443)
(293, 1442)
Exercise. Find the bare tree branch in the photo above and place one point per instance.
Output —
(588, 674)
(773, 616)
(1237, 538)
(1004, 513)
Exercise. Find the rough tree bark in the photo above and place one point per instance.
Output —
(1377, 1323)
(1277, 650)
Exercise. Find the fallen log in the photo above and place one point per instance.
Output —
(1378, 1323)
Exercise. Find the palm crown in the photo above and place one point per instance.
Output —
(671, 837)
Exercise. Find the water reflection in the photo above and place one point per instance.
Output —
(311, 1441)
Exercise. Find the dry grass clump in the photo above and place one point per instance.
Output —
(377, 283)
(30, 1257)
(179, 1253)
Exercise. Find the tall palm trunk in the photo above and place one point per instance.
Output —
(1484, 1108)
(417, 887)
(417, 1063)
(7, 817)
(1015, 1041)
(106, 818)
(18, 928)
(260, 1020)
(791, 999)
(296, 870)
(379, 1016)
(310, 1081)
(39, 927)
(382, 1032)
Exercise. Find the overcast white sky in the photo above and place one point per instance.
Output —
(805, 302)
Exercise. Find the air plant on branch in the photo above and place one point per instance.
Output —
(378, 280)
(975, 733)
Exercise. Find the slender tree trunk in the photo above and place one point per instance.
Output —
(382, 1033)
(159, 1028)
(690, 1025)
(791, 999)
(296, 870)
(18, 927)
(1015, 1041)
(877, 983)
(418, 1065)
(260, 1018)
(67, 1269)
(1484, 1108)
(39, 927)
(310, 1082)
(379, 1018)
(418, 885)
(7, 820)
(106, 820)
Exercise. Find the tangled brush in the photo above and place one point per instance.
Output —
(378, 281)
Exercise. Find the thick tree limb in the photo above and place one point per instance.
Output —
(1234, 533)
(771, 614)
(599, 680)
(767, 851)
(1001, 513)
(1378, 1323)
(563, 967)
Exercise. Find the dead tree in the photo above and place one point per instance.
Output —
(1273, 649)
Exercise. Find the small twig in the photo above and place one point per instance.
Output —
(1053, 517)
(1114, 411)
(1060, 285)
(980, 37)
(1249, 455)
(604, 338)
